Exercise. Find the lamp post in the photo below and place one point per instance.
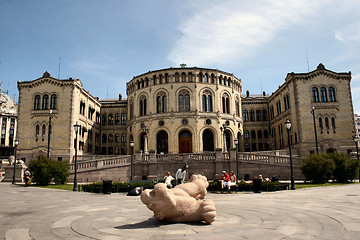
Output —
(236, 141)
(49, 134)
(316, 141)
(131, 159)
(288, 127)
(76, 130)
(16, 142)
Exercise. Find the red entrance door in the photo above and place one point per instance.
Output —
(185, 142)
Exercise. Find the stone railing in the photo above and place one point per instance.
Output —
(267, 159)
(97, 164)
(185, 157)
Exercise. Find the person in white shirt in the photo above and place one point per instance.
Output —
(167, 179)
(181, 174)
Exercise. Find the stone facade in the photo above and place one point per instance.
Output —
(8, 120)
(66, 103)
(187, 110)
(184, 110)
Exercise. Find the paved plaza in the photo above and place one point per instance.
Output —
(316, 213)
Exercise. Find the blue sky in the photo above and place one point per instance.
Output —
(106, 43)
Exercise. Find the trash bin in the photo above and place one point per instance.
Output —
(257, 185)
(107, 186)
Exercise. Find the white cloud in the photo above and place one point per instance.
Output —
(232, 29)
(350, 32)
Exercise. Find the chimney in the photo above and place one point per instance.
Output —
(15, 99)
(247, 93)
(120, 96)
(264, 93)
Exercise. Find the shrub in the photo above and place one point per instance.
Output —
(317, 168)
(45, 170)
(345, 168)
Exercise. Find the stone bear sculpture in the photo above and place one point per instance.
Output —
(181, 204)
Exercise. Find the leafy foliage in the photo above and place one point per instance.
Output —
(317, 168)
(345, 169)
(45, 170)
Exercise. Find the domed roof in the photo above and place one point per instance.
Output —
(7, 105)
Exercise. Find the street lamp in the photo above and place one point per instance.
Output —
(236, 141)
(288, 127)
(76, 130)
(131, 159)
(49, 133)
(316, 141)
(16, 142)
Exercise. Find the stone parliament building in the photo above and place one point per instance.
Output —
(186, 110)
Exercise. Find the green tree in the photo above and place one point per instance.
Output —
(45, 170)
(345, 169)
(317, 168)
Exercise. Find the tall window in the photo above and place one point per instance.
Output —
(37, 131)
(333, 123)
(117, 138)
(321, 124)
(237, 107)
(43, 132)
(104, 138)
(258, 115)
(184, 101)
(117, 119)
(315, 94)
(246, 134)
(123, 119)
(207, 101)
(111, 119)
(264, 115)
(327, 123)
(323, 94)
(123, 137)
(183, 77)
(259, 133)
(37, 102)
(45, 102)
(53, 101)
(252, 116)
(332, 97)
(142, 106)
(253, 134)
(226, 103)
(111, 139)
(161, 102)
(104, 119)
(246, 115)
(206, 78)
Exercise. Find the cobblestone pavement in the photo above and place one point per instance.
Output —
(316, 213)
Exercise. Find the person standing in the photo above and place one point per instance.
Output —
(224, 180)
(181, 174)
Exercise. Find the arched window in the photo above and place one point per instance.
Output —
(160, 79)
(259, 133)
(104, 119)
(315, 94)
(53, 101)
(253, 134)
(43, 132)
(117, 138)
(177, 77)
(237, 107)
(45, 102)
(123, 119)
(190, 77)
(37, 102)
(246, 134)
(220, 79)
(321, 123)
(104, 138)
(117, 119)
(323, 94)
(333, 123)
(207, 101)
(161, 102)
(184, 101)
(111, 119)
(246, 115)
(212, 78)
(111, 139)
(258, 115)
(226, 103)
(37, 131)
(332, 97)
(264, 115)
(162, 142)
(166, 78)
(206, 78)
(327, 123)
(200, 77)
(142, 106)
(123, 137)
(252, 116)
(183, 77)
(266, 134)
